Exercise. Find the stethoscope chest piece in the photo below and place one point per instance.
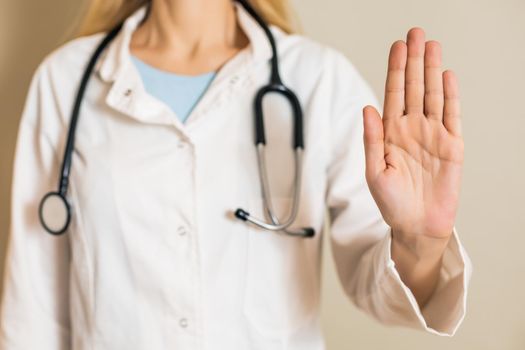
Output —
(55, 213)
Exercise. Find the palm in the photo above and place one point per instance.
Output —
(415, 152)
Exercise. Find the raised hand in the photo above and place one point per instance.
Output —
(414, 154)
(414, 158)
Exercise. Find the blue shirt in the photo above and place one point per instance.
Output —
(180, 92)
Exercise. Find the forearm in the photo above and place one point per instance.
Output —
(418, 260)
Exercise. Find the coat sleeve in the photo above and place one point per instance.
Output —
(359, 236)
(34, 310)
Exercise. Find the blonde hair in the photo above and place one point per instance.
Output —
(102, 15)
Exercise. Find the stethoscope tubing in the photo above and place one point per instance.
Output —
(70, 143)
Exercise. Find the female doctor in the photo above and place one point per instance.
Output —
(191, 196)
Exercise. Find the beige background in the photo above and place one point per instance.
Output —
(483, 41)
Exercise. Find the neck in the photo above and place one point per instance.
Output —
(190, 26)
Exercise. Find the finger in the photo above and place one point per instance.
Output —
(433, 81)
(415, 71)
(451, 111)
(374, 144)
(395, 81)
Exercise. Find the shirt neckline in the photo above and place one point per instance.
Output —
(155, 71)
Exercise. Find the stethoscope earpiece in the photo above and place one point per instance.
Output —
(242, 214)
(309, 232)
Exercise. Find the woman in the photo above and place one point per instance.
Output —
(154, 257)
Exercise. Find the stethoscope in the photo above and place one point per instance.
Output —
(55, 208)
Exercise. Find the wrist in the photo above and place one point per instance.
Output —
(418, 260)
(419, 246)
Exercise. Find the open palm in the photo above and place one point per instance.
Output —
(414, 154)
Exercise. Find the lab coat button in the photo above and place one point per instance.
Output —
(128, 92)
(181, 230)
(183, 322)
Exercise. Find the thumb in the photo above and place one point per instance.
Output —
(374, 144)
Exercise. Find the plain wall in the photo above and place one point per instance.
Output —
(483, 41)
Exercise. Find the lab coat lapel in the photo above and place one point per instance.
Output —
(127, 94)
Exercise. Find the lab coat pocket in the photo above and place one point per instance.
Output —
(281, 291)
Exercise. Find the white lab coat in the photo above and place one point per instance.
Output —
(154, 258)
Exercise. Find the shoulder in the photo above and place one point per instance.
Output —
(325, 68)
(55, 80)
(314, 52)
(68, 59)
